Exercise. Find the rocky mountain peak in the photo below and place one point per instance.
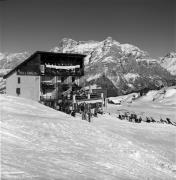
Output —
(171, 55)
(169, 62)
(65, 44)
(108, 40)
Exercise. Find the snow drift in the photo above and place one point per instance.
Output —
(41, 143)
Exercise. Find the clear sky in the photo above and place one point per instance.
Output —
(30, 25)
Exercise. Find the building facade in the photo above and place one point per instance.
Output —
(23, 86)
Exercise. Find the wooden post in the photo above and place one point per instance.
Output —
(74, 101)
(102, 97)
(106, 103)
(74, 98)
(90, 89)
(89, 96)
(89, 113)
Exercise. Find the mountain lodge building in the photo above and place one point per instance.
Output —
(50, 78)
(43, 74)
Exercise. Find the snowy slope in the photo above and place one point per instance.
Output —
(124, 99)
(41, 143)
(165, 96)
(157, 104)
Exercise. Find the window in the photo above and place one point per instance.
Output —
(73, 79)
(62, 79)
(19, 80)
(18, 91)
(42, 69)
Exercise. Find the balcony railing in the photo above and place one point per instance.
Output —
(47, 98)
(64, 72)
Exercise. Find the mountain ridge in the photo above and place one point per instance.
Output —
(124, 67)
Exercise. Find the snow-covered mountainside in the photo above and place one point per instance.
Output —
(169, 62)
(9, 61)
(41, 143)
(109, 49)
(2, 56)
(121, 68)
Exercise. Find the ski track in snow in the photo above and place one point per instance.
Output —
(41, 143)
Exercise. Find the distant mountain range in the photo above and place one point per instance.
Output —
(9, 61)
(120, 68)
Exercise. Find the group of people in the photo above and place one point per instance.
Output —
(88, 110)
(138, 119)
(130, 117)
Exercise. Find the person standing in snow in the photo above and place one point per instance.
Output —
(82, 111)
(140, 119)
(89, 113)
(96, 111)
